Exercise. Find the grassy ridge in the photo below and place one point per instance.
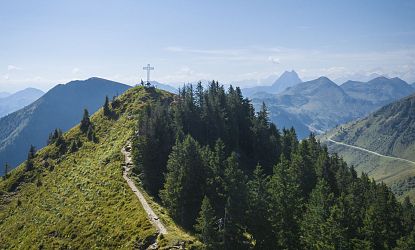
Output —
(80, 200)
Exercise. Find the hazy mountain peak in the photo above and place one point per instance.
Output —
(18, 100)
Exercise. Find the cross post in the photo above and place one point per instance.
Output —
(148, 68)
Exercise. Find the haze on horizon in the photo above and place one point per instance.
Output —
(48, 42)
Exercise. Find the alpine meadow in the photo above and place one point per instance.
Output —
(207, 125)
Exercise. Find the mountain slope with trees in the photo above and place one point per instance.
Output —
(388, 131)
(232, 177)
(71, 194)
(219, 170)
(61, 107)
(319, 105)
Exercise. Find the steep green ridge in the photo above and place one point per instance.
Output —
(389, 131)
(61, 107)
(79, 200)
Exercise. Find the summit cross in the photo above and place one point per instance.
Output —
(148, 68)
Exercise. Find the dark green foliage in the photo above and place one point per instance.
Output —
(106, 108)
(234, 215)
(285, 204)
(317, 213)
(85, 122)
(58, 140)
(75, 145)
(183, 188)
(6, 170)
(258, 214)
(206, 225)
(90, 134)
(297, 197)
(30, 157)
(153, 146)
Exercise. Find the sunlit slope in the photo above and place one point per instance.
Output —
(79, 199)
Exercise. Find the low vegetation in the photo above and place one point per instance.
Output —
(74, 196)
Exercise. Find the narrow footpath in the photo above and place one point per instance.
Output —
(154, 219)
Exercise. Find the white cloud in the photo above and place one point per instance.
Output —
(13, 67)
(6, 76)
(75, 71)
(274, 60)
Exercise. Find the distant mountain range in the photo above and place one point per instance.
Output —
(61, 107)
(165, 87)
(286, 80)
(380, 90)
(12, 102)
(389, 131)
(319, 105)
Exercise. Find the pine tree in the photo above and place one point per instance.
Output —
(285, 204)
(206, 225)
(258, 214)
(184, 186)
(234, 213)
(30, 157)
(90, 134)
(85, 122)
(6, 170)
(106, 107)
(73, 147)
(317, 212)
(153, 146)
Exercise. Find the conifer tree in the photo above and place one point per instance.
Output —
(234, 213)
(90, 134)
(30, 157)
(106, 107)
(206, 225)
(258, 213)
(6, 170)
(285, 204)
(85, 122)
(184, 186)
(317, 212)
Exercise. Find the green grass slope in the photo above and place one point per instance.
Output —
(389, 131)
(79, 200)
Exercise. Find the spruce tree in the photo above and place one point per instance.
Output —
(85, 122)
(285, 204)
(317, 212)
(206, 225)
(6, 170)
(258, 213)
(234, 213)
(106, 107)
(30, 157)
(90, 134)
(184, 186)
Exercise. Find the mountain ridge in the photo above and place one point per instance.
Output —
(18, 100)
(287, 79)
(61, 107)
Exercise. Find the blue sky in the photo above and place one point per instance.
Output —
(44, 43)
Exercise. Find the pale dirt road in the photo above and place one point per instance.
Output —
(154, 219)
(371, 152)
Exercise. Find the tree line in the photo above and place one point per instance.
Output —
(237, 181)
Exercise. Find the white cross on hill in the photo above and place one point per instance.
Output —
(148, 68)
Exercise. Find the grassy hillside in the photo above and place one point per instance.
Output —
(389, 131)
(79, 200)
(61, 107)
